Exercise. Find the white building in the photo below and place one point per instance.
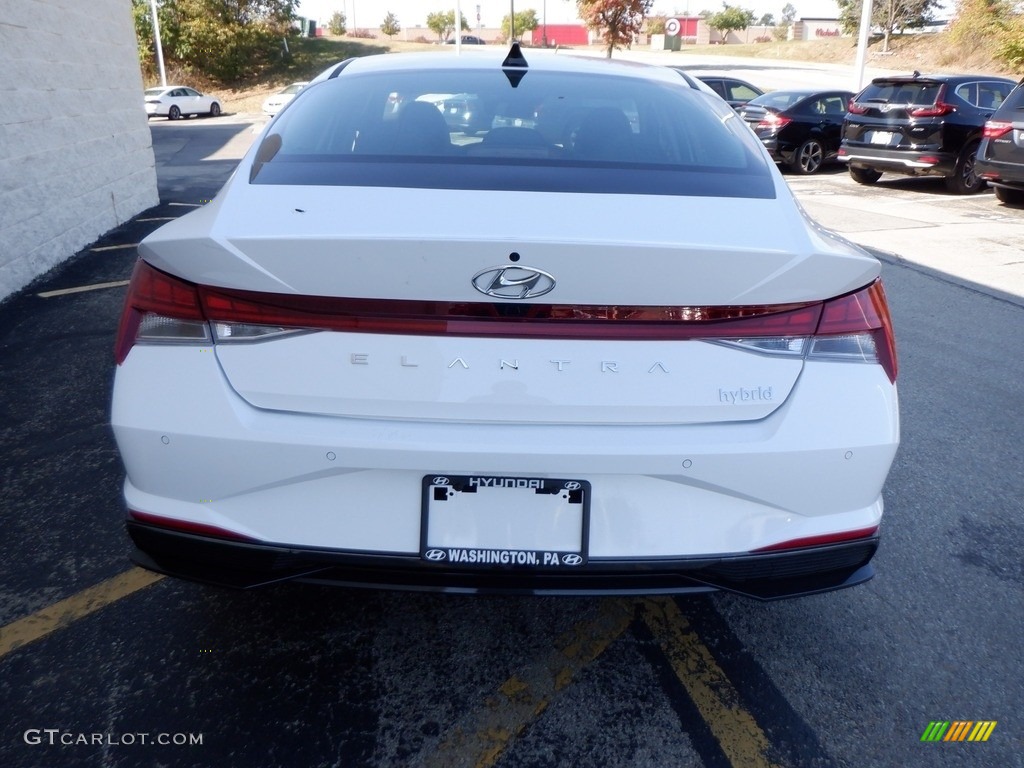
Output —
(76, 155)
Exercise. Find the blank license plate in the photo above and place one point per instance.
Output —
(495, 521)
(881, 137)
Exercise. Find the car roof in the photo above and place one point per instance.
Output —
(939, 78)
(482, 58)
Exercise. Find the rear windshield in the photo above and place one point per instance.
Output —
(779, 100)
(923, 94)
(540, 131)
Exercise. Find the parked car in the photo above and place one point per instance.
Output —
(177, 101)
(1001, 153)
(469, 40)
(735, 91)
(485, 376)
(695, 82)
(276, 102)
(799, 128)
(921, 125)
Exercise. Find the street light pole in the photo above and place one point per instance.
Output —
(159, 45)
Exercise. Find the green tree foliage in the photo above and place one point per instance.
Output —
(993, 24)
(618, 21)
(979, 22)
(731, 19)
(788, 14)
(767, 20)
(442, 23)
(888, 15)
(526, 21)
(390, 25)
(337, 25)
(656, 24)
(224, 40)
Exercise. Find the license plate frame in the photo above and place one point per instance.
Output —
(504, 522)
(882, 137)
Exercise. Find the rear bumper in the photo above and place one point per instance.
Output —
(900, 161)
(245, 565)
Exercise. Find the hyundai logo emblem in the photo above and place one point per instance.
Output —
(572, 485)
(516, 283)
(571, 559)
(439, 480)
(435, 555)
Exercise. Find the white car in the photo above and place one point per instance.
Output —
(176, 101)
(276, 102)
(538, 359)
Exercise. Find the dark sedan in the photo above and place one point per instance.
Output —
(735, 91)
(800, 128)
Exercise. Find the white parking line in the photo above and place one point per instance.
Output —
(81, 289)
(113, 247)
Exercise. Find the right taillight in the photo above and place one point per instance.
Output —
(857, 328)
(995, 128)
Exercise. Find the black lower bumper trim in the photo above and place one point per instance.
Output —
(243, 565)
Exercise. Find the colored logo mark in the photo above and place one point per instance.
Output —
(958, 730)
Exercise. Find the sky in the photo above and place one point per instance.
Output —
(368, 14)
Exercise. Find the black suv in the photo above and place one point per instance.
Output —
(1001, 154)
(921, 125)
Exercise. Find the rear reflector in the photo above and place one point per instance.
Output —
(821, 541)
(156, 300)
(186, 526)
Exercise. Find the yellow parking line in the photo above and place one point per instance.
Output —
(67, 611)
(81, 289)
(740, 737)
(480, 741)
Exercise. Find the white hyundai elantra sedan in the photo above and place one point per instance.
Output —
(593, 347)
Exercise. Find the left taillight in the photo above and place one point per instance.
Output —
(857, 327)
(995, 129)
(160, 308)
(773, 121)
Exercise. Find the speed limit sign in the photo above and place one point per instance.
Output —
(672, 27)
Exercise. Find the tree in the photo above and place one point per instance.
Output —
(225, 40)
(337, 22)
(619, 21)
(781, 31)
(443, 23)
(889, 15)
(767, 20)
(390, 25)
(526, 21)
(730, 19)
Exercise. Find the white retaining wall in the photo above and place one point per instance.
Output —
(76, 155)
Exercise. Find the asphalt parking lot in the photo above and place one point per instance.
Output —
(103, 664)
